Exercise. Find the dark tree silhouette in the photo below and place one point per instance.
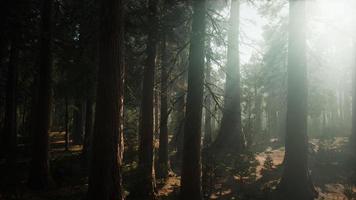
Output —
(191, 167)
(163, 162)
(39, 176)
(105, 172)
(147, 183)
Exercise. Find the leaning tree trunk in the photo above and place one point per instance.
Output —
(191, 168)
(163, 162)
(39, 176)
(105, 169)
(296, 182)
(230, 133)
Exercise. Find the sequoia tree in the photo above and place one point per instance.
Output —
(230, 133)
(39, 176)
(191, 167)
(147, 182)
(163, 163)
(105, 172)
(296, 182)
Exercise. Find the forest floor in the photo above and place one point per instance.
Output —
(328, 164)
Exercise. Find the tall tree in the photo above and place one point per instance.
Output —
(147, 183)
(208, 100)
(296, 182)
(163, 162)
(230, 133)
(10, 132)
(105, 175)
(39, 176)
(191, 167)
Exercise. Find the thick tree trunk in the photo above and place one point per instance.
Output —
(147, 182)
(163, 162)
(230, 133)
(191, 168)
(10, 132)
(296, 182)
(105, 169)
(39, 176)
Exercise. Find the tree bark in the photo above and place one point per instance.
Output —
(296, 182)
(191, 167)
(105, 169)
(147, 183)
(39, 176)
(163, 162)
(10, 131)
(207, 124)
(230, 133)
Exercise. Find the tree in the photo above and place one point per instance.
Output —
(208, 100)
(105, 174)
(147, 183)
(163, 162)
(296, 182)
(230, 133)
(39, 176)
(10, 129)
(191, 167)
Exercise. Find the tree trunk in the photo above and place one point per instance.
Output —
(163, 162)
(77, 133)
(39, 176)
(88, 132)
(105, 169)
(296, 182)
(207, 124)
(10, 132)
(66, 122)
(147, 183)
(230, 133)
(191, 168)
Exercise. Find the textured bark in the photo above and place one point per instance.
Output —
(163, 162)
(39, 176)
(230, 133)
(296, 181)
(191, 168)
(147, 182)
(105, 169)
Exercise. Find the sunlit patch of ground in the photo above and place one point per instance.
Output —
(327, 164)
(172, 183)
(277, 156)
